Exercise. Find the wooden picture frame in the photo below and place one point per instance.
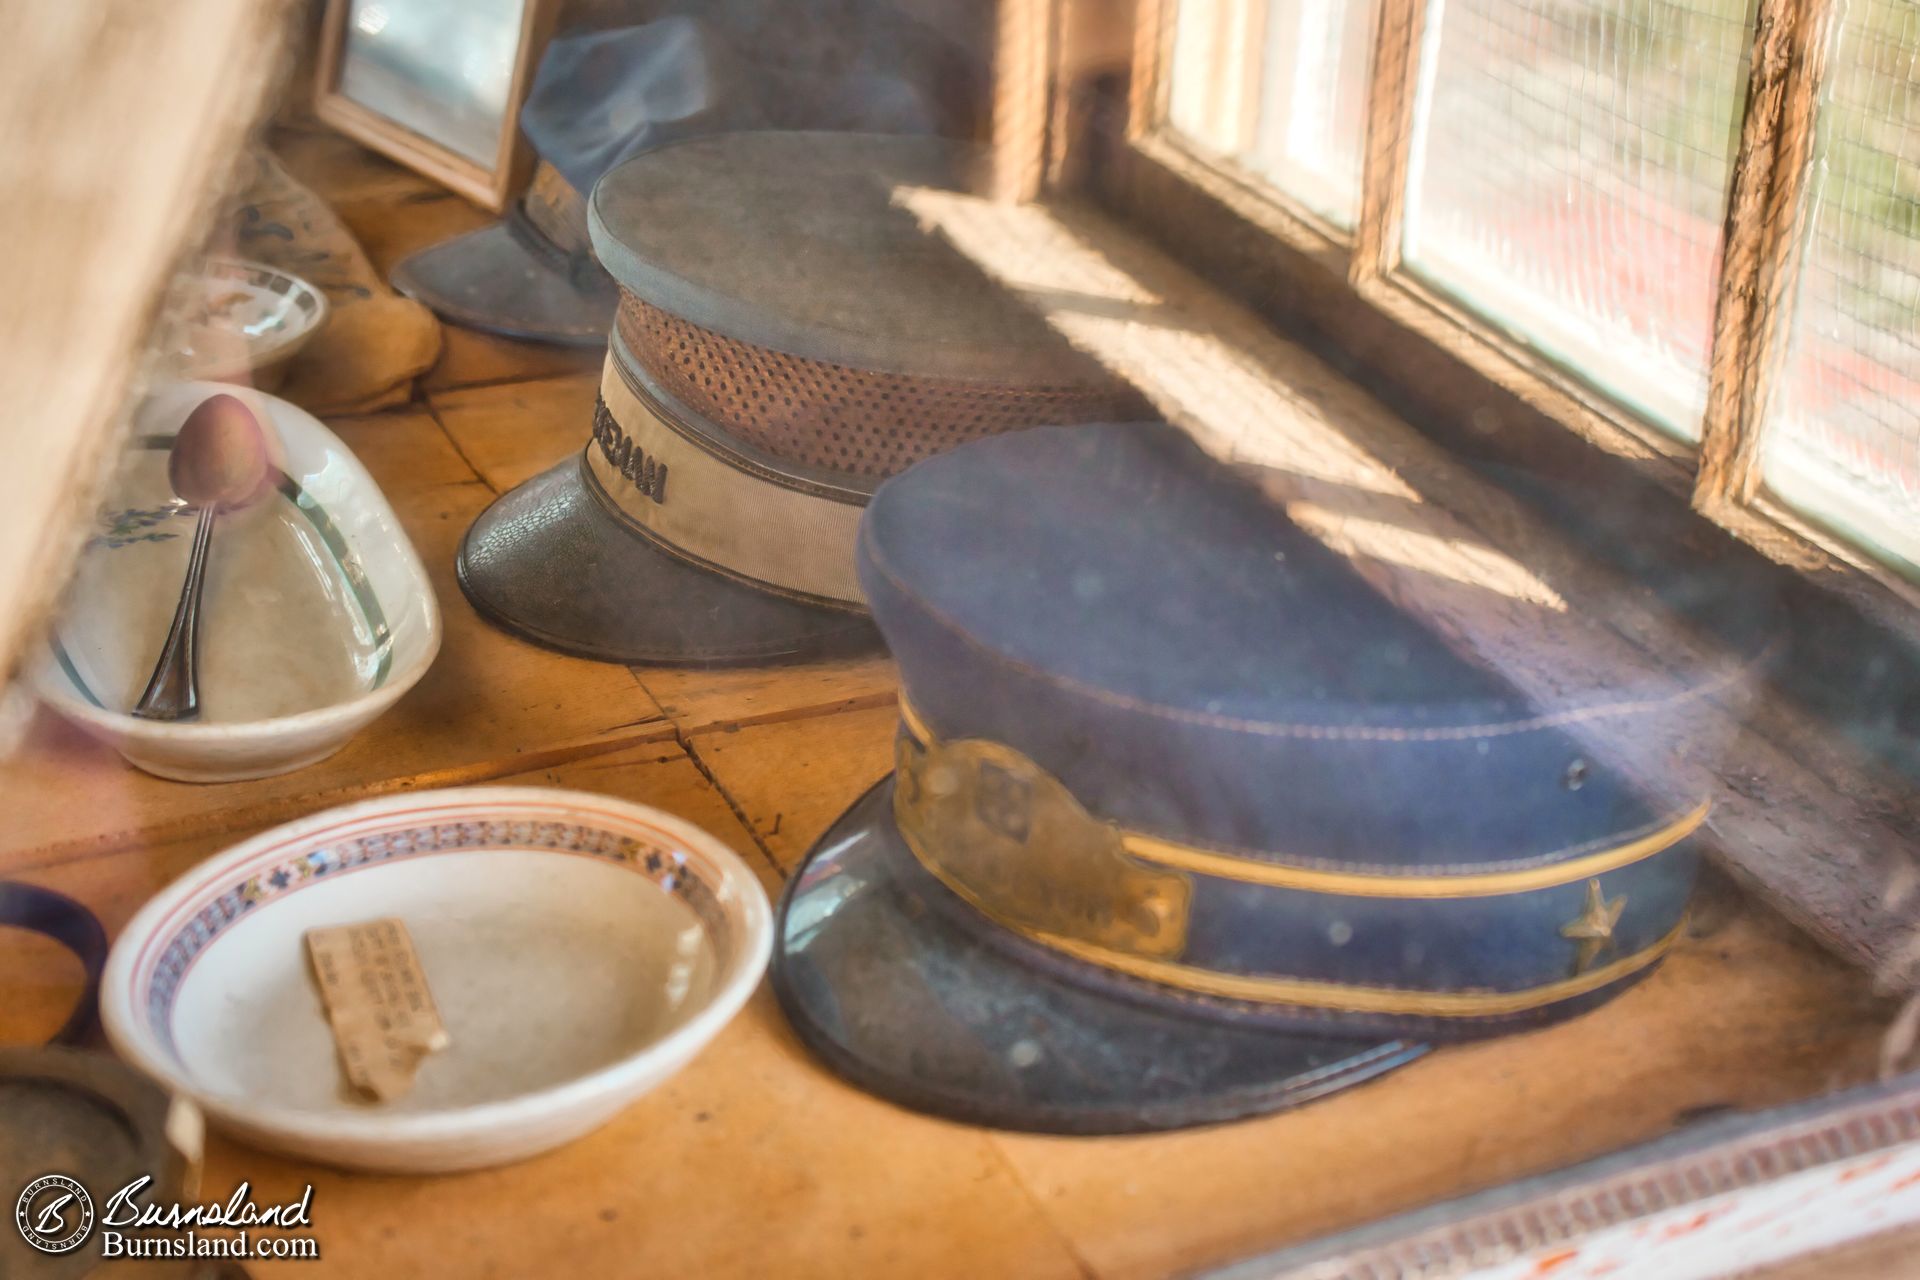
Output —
(491, 187)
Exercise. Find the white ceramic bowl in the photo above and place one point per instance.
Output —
(246, 321)
(580, 951)
(317, 613)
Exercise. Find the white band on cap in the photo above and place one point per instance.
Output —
(706, 506)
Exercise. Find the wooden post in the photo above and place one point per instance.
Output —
(1390, 102)
(1147, 87)
(1096, 44)
(1024, 55)
(1764, 239)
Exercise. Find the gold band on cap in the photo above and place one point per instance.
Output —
(721, 511)
(1160, 852)
(1345, 998)
(1010, 840)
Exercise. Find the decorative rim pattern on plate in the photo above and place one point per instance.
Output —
(295, 863)
(151, 964)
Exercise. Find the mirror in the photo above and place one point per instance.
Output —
(436, 85)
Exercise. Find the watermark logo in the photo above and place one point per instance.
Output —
(54, 1214)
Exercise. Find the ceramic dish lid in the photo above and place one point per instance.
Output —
(317, 614)
(795, 241)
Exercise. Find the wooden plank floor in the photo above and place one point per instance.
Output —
(756, 1161)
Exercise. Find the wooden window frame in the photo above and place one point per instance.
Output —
(1350, 289)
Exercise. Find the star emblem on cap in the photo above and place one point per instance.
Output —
(1593, 928)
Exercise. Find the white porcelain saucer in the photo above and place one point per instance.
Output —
(580, 950)
(317, 614)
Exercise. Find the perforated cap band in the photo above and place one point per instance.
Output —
(858, 422)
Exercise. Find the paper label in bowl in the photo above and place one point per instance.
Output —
(378, 1003)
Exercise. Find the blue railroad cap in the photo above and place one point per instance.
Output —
(1175, 786)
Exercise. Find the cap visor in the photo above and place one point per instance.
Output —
(903, 998)
(488, 280)
(549, 563)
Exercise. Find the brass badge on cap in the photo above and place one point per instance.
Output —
(1010, 839)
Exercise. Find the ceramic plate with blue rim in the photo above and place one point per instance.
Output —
(579, 949)
(317, 613)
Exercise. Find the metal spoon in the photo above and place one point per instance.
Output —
(219, 461)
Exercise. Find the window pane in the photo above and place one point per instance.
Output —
(1279, 86)
(1843, 443)
(1570, 168)
(1213, 83)
(1311, 133)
